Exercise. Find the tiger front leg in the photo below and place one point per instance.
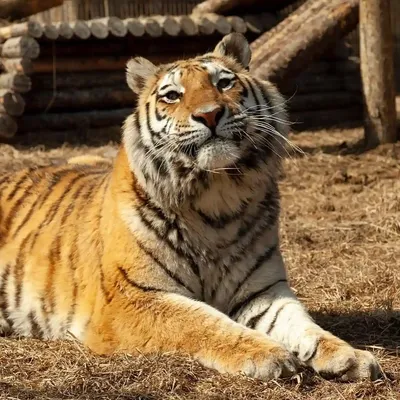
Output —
(159, 322)
(272, 308)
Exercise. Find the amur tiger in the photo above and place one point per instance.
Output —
(175, 246)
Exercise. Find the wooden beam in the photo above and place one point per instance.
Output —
(20, 65)
(8, 126)
(23, 46)
(30, 28)
(16, 82)
(11, 103)
(17, 9)
(72, 120)
(377, 71)
(94, 98)
(283, 52)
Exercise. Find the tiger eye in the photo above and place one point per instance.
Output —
(224, 83)
(172, 95)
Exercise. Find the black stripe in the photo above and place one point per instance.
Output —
(20, 269)
(3, 295)
(40, 200)
(222, 220)
(171, 274)
(273, 322)
(105, 291)
(4, 180)
(270, 204)
(171, 246)
(54, 208)
(253, 321)
(17, 206)
(36, 330)
(253, 296)
(72, 205)
(26, 176)
(258, 264)
(245, 92)
(72, 265)
(136, 285)
(265, 96)
(253, 93)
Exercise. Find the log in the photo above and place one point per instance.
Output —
(238, 24)
(19, 65)
(260, 23)
(377, 71)
(23, 46)
(30, 28)
(11, 103)
(98, 28)
(50, 31)
(96, 98)
(151, 27)
(64, 30)
(222, 25)
(16, 82)
(112, 25)
(187, 24)
(72, 120)
(134, 26)
(283, 52)
(168, 24)
(79, 80)
(8, 126)
(18, 9)
(81, 29)
(206, 27)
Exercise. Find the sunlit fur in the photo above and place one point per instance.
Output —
(175, 246)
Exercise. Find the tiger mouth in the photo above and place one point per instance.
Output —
(193, 149)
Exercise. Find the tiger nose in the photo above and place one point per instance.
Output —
(209, 118)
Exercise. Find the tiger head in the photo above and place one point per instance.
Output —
(203, 115)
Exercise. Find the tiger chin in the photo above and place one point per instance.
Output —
(174, 247)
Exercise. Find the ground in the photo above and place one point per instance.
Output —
(340, 228)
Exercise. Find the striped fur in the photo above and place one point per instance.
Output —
(175, 246)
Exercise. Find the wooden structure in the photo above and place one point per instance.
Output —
(68, 75)
(64, 68)
(377, 72)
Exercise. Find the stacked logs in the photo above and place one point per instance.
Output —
(71, 74)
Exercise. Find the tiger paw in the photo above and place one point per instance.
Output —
(258, 357)
(336, 358)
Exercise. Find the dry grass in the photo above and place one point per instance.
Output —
(341, 240)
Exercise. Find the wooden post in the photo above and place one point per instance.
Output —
(377, 72)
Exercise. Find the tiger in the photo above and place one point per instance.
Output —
(173, 247)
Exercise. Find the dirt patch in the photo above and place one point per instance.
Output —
(340, 229)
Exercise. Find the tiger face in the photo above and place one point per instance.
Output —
(207, 113)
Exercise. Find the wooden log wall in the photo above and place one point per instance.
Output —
(69, 75)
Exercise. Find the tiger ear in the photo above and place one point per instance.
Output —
(138, 70)
(236, 46)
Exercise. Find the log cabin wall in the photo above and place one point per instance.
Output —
(72, 10)
(77, 81)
